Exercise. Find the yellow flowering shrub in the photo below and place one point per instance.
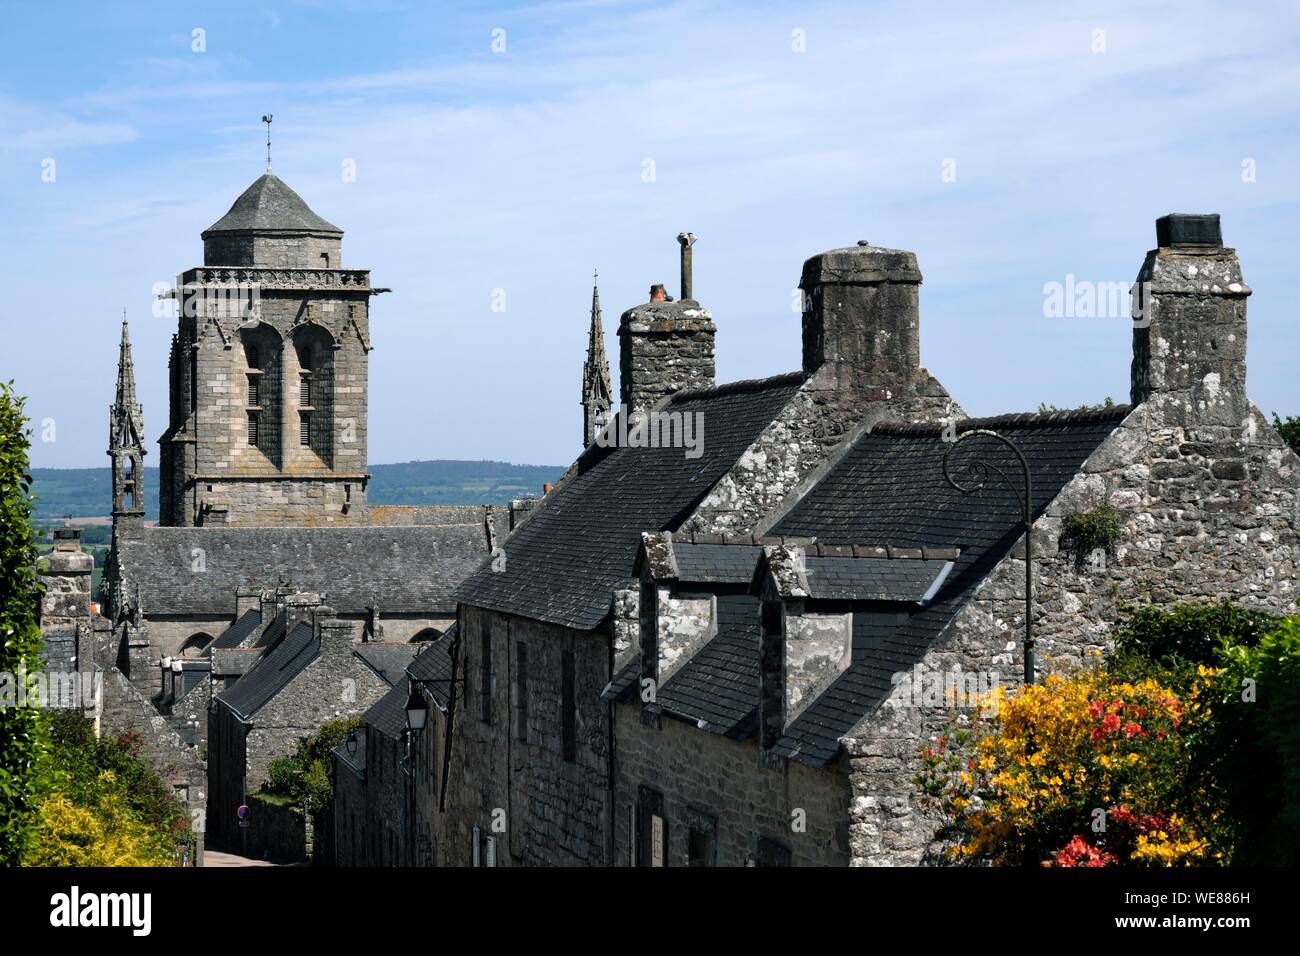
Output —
(1087, 770)
(108, 835)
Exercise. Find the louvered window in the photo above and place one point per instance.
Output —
(304, 428)
(252, 428)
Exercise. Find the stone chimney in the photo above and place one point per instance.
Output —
(665, 347)
(66, 573)
(1189, 326)
(861, 321)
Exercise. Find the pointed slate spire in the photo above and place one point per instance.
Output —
(596, 387)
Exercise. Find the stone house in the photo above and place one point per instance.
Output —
(761, 689)
(544, 627)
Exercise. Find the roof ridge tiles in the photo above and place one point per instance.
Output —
(1076, 416)
(733, 388)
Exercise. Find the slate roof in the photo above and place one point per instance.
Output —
(582, 541)
(414, 568)
(889, 487)
(388, 715)
(269, 205)
(237, 633)
(873, 579)
(272, 673)
(716, 563)
(388, 660)
(434, 664)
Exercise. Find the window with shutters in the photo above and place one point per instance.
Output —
(304, 389)
(252, 428)
(254, 388)
(568, 707)
(304, 428)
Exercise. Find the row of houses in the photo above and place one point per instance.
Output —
(732, 657)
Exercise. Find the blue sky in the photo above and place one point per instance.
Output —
(523, 170)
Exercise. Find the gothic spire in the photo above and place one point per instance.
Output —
(596, 387)
(126, 417)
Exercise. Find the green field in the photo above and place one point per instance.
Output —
(87, 492)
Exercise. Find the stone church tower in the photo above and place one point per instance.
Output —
(269, 369)
(596, 389)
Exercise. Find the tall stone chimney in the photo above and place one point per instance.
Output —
(1189, 326)
(665, 347)
(861, 321)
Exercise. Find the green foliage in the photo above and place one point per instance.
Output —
(105, 804)
(1258, 713)
(1290, 429)
(305, 777)
(1107, 402)
(1088, 530)
(1248, 663)
(1170, 644)
(23, 734)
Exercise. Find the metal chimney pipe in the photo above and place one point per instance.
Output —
(687, 239)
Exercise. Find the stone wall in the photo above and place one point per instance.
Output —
(1208, 513)
(305, 251)
(387, 800)
(707, 774)
(276, 831)
(347, 815)
(548, 810)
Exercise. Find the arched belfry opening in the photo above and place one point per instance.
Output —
(313, 390)
(263, 391)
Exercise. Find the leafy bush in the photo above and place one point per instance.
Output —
(1290, 429)
(305, 777)
(1088, 530)
(23, 739)
(104, 804)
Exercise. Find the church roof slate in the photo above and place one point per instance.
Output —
(197, 570)
(270, 206)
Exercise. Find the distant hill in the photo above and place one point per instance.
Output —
(84, 492)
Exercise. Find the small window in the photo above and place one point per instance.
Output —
(485, 673)
(701, 838)
(254, 356)
(304, 428)
(519, 698)
(254, 397)
(252, 428)
(304, 389)
(568, 708)
(652, 829)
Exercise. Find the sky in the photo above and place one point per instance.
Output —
(502, 152)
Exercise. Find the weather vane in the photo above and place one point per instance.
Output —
(266, 118)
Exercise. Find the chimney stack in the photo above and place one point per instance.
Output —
(687, 239)
(665, 346)
(861, 320)
(1189, 326)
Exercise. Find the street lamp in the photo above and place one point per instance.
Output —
(980, 471)
(417, 712)
(351, 743)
